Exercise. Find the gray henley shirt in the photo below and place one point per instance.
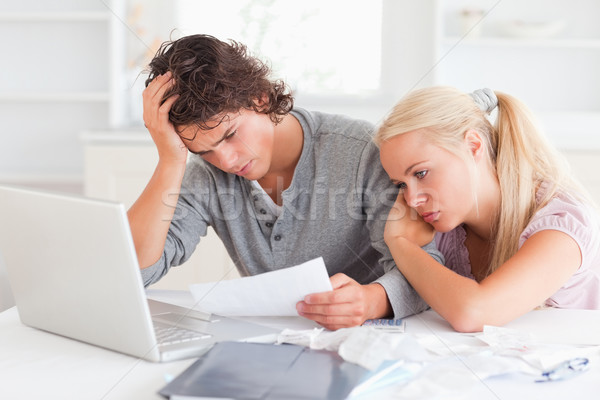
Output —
(335, 207)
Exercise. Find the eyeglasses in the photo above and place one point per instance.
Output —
(565, 370)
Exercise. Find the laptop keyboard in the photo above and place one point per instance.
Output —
(169, 334)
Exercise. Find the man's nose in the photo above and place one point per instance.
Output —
(227, 158)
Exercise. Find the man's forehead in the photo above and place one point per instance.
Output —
(215, 126)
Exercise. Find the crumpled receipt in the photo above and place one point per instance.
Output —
(361, 345)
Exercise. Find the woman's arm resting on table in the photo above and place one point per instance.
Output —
(542, 265)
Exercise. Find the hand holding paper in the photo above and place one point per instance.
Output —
(270, 294)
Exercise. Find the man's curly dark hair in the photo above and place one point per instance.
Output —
(213, 78)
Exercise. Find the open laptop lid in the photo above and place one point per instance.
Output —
(73, 269)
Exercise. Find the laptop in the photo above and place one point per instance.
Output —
(73, 270)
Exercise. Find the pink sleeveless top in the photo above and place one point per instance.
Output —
(565, 214)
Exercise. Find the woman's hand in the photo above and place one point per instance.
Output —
(404, 221)
(171, 148)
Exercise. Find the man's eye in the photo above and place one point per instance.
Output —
(232, 134)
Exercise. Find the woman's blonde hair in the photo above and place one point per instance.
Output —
(518, 152)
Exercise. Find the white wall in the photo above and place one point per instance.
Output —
(70, 70)
(55, 81)
(6, 297)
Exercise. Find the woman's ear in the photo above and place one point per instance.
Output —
(474, 143)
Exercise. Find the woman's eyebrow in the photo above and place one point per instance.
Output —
(412, 166)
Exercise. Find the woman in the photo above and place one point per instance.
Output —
(515, 229)
(279, 185)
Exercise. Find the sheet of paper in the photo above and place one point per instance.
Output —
(270, 294)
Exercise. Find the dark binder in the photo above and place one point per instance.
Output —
(257, 371)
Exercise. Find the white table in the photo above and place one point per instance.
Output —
(39, 365)
(36, 364)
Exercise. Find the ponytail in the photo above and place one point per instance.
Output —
(524, 161)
